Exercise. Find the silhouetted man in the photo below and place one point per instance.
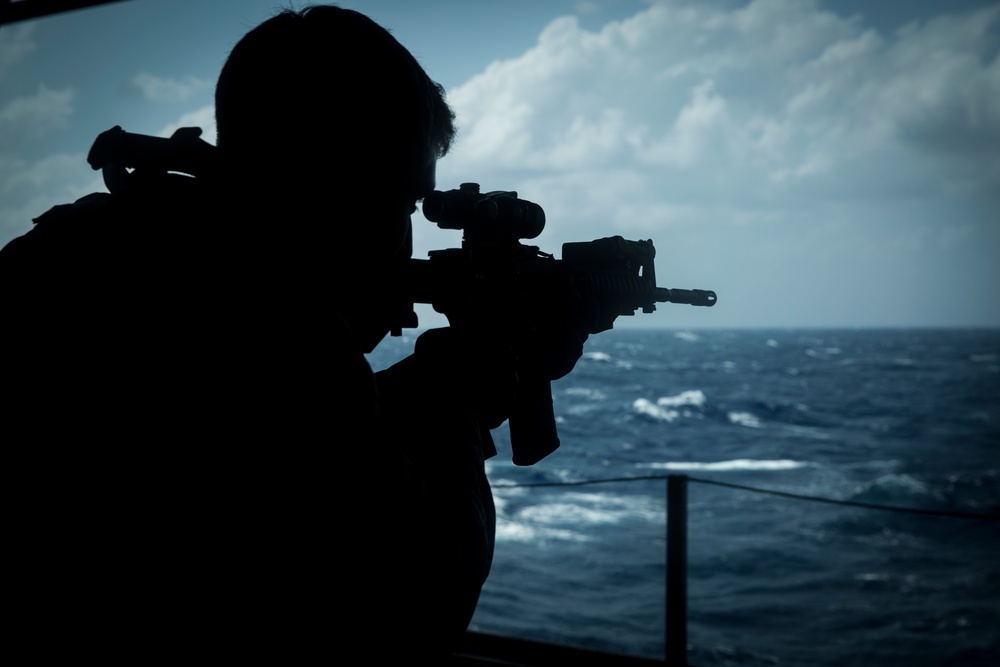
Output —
(203, 464)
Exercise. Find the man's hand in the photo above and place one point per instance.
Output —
(478, 367)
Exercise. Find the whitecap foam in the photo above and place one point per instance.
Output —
(744, 419)
(511, 531)
(571, 517)
(734, 464)
(893, 485)
(693, 397)
(589, 393)
(571, 513)
(812, 432)
(646, 407)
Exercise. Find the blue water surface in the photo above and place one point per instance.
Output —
(894, 418)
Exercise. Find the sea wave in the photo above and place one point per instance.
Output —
(734, 464)
(669, 408)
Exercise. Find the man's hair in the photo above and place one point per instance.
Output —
(328, 83)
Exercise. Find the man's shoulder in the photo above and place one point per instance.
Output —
(66, 218)
(102, 224)
(59, 233)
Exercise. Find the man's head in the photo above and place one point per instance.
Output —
(325, 120)
(328, 89)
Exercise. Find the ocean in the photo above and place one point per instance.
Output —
(895, 418)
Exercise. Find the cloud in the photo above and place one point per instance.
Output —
(701, 129)
(159, 90)
(16, 43)
(779, 90)
(203, 118)
(775, 115)
(943, 92)
(28, 189)
(32, 117)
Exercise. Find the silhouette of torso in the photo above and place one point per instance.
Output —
(199, 451)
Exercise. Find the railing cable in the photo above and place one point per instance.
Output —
(851, 503)
(785, 494)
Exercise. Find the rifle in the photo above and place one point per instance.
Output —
(493, 284)
(524, 288)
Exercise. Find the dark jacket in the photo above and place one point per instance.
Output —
(201, 459)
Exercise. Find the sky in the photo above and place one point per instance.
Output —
(816, 163)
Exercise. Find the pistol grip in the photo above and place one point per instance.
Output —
(532, 422)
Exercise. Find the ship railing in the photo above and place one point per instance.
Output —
(676, 589)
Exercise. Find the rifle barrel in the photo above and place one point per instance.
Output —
(695, 297)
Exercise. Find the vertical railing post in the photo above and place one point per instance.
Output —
(676, 648)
